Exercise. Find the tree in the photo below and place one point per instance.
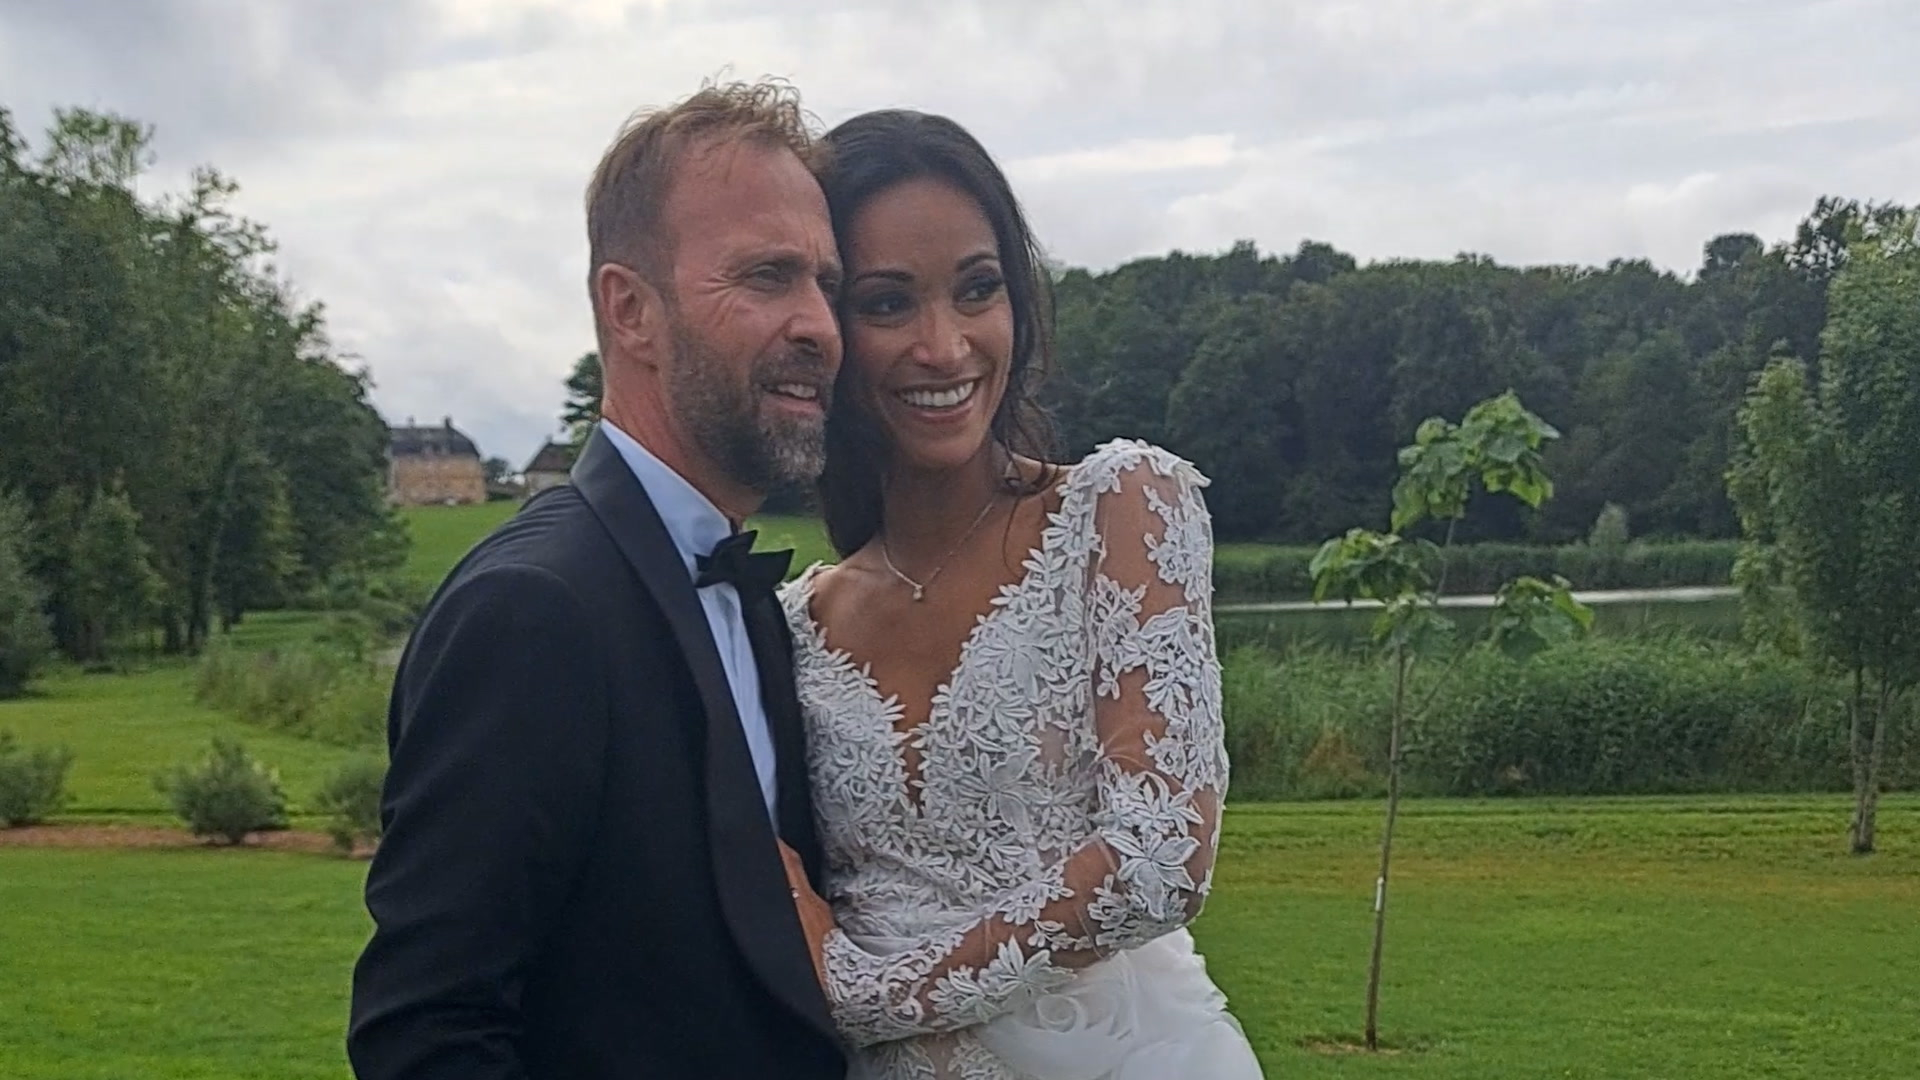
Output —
(258, 557)
(498, 470)
(1497, 446)
(25, 641)
(1611, 528)
(114, 586)
(150, 347)
(585, 386)
(1830, 477)
(1233, 413)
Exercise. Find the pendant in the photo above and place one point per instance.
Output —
(919, 593)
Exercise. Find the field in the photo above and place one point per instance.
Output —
(1600, 940)
(123, 729)
(442, 534)
(1705, 938)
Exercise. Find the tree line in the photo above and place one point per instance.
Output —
(182, 442)
(1292, 380)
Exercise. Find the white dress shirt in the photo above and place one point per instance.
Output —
(696, 526)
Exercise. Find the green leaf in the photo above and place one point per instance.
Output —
(1413, 624)
(1531, 616)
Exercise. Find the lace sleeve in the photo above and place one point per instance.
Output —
(1162, 776)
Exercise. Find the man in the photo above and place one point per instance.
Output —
(596, 748)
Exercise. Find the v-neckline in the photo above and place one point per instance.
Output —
(941, 700)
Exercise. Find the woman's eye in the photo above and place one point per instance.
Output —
(881, 305)
(981, 290)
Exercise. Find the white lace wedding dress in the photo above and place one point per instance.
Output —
(1017, 909)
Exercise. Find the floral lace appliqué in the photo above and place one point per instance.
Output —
(1072, 772)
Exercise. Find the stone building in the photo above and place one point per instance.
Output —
(550, 467)
(428, 466)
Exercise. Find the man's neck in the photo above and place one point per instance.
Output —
(734, 501)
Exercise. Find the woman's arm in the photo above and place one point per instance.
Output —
(1147, 868)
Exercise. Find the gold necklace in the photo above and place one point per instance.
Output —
(920, 588)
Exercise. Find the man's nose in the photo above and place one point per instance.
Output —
(815, 328)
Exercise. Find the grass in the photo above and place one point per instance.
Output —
(806, 536)
(124, 728)
(1596, 939)
(443, 534)
(170, 965)
(1708, 939)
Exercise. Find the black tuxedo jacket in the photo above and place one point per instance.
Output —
(578, 878)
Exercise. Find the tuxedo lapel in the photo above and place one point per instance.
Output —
(773, 653)
(754, 894)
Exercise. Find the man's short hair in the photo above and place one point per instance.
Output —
(627, 197)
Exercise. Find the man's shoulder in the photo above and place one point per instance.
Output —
(555, 531)
(554, 544)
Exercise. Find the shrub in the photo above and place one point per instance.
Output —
(1281, 707)
(1334, 769)
(312, 692)
(227, 795)
(1599, 717)
(351, 801)
(33, 784)
(1610, 529)
(25, 640)
(354, 710)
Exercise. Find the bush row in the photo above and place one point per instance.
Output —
(33, 783)
(316, 692)
(227, 795)
(1600, 717)
(1282, 573)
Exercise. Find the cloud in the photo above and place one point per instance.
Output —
(422, 161)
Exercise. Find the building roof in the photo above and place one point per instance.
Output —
(444, 439)
(552, 458)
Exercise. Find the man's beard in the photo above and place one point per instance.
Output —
(724, 417)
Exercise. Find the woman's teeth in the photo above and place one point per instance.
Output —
(939, 399)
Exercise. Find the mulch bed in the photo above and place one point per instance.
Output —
(149, 837)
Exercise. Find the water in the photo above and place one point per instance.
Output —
(1705, 612)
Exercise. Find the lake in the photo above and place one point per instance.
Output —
(1707, 612)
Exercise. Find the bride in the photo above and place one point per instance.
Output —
(1011, 690)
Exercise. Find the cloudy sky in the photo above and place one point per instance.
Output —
(421, 161)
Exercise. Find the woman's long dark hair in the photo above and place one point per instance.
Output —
(870, 154)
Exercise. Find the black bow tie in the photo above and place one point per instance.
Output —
(735, 562)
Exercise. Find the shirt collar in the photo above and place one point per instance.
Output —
(695, 524)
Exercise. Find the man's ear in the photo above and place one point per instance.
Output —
(632, 313)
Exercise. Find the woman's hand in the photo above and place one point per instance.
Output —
(816, 918)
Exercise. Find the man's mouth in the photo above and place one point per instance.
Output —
(796, 391)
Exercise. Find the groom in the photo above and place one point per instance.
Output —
(596, 747)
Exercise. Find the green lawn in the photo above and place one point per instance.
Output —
(125, 728)
(442, 534)
(170, 965)
(1656, 938)
(1697, 938)
(1704, 939)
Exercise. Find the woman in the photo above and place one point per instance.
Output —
(1011, 690)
